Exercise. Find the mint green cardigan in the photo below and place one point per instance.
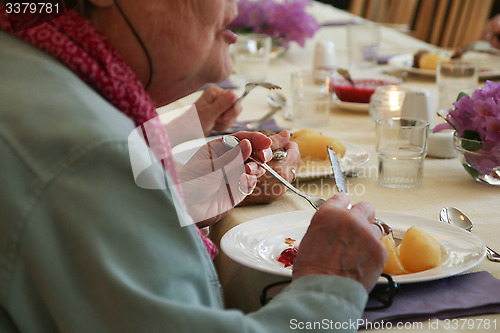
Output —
(84, 249)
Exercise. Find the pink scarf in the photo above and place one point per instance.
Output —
(77, 43)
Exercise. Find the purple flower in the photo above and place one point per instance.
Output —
(288, 19)
(479, 113)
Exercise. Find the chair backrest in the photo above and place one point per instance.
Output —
(451, 23)
(445, 23)
(396, 13)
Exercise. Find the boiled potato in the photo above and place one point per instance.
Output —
(393, 265)
(419, 251)
(312, 144)
(430, 60)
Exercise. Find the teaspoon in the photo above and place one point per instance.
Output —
(454, 216)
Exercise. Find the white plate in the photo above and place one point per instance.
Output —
(258, 243)
(350, 106)
(354, 156)
(405, 61)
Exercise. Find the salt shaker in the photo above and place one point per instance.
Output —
(325, 56)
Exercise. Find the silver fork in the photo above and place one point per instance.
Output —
(232, 141)
(249, 87)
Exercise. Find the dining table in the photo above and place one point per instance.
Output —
(445, 181)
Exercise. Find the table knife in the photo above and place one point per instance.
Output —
(337, 171)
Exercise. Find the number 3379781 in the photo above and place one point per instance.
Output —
(31, 8)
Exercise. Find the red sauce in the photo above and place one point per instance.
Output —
(361, 92)
(287, 256)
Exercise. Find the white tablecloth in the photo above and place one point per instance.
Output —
(445, 182)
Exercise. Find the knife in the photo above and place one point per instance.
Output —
(337, 171)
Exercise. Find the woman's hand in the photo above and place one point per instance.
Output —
(215, 110)
(492, 27)
(341, 241)
(216, 179)
(268, 188)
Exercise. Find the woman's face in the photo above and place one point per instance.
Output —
(186, 39)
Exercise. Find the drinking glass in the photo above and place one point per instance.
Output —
(453, 77)
(363, 42)
(401, 147)
(251, 57)
(311, 97)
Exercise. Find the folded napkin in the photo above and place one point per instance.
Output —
(238, 126)
(457, 296)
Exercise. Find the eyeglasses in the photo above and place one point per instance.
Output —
(381, 296)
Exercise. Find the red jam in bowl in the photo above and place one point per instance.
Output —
(361, 91)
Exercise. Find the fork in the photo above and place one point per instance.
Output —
(249, 87)
(232, 141)
(479, 46)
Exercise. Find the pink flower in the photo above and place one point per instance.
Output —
(288, 19)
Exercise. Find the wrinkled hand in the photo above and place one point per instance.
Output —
(341, 241)
(492, 27)
(215, 111)
(268, 188)
(216, 179)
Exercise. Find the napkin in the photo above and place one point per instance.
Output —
(457, 296)
(269, 125)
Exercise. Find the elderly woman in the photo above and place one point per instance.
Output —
(82, 247)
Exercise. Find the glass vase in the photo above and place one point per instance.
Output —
(480, 159)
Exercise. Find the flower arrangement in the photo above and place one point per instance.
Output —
(287, 20)
(476, 120)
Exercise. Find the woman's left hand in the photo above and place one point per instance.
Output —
(215, 109)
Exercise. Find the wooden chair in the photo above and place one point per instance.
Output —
(398, 14)
(445, 23)
(451, 23)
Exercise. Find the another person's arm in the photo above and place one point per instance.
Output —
(491, 31)
(215, 109)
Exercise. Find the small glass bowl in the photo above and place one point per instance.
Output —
(480, 159)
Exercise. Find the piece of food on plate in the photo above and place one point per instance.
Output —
(312, 144)
(393, 266)
(419, 251)
(425, 59)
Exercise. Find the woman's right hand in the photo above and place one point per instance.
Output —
(492, 27)
(343, 242)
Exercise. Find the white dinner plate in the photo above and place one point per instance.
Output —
(354, 156)
(350, 106)
(258, 243)
(486, 61)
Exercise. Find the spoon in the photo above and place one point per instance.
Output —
(276, 100)
(453, 216)
(232, 141)
(345, 73)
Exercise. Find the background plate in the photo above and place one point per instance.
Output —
(258, 243)
(404, 62)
